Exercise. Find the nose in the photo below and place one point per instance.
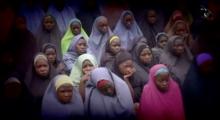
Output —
(164, 83)
(66, 94)
(105, 28)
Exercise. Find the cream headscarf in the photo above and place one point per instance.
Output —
(61, 80)
(76, 72)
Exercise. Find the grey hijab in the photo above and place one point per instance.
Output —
(136, 53)
(54, 36)
(137, 80)
(157, 50)
(178, 66)
(149, 30)
(53, 109)
(127, 35)
(36, 84)
(71, 55)
(97, 40)
(99, 106)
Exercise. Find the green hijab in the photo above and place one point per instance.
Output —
(68, 37)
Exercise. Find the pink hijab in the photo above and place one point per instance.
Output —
(155, 105)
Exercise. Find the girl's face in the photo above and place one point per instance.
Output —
(162, 41)
(115, 46)
(146, 56)
(51, 55)
(81, 46)
(87, 67)
(128, 20)
(102, 25)
(126, 67)
(152, 16)
(64, 93)
(178, 47)
(162, 81)
(42, 67)
(48, 23)
(76, 28)
(181, 29)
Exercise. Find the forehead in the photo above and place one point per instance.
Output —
(86, 62)
(41, 61)
(127, 14)
(81, 40)
(127, 62)
(102, 20)
(181, 25)
(50, 49)
(146, 50)
(75, 23)
(47, 18)
(151, 13)
(163, 37)
(178, 41)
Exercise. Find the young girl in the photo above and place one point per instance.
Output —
(107, 97)
(99, 36)
(48, 32)
(177, 57)
(161, 41)
(143, 56)
(113, 46)
(82, 68)
(77, 48)
(151, 23)
(50, 51)
(62, 101)
(127, 29)
(37, 79)
(74, 28)
(129, 71)
(161, 98)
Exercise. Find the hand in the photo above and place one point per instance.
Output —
(85, 78)
(129, 73)
(136, 106)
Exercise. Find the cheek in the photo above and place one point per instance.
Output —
(122, 69)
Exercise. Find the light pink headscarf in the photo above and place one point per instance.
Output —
(156, 105)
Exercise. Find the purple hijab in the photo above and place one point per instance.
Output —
(127, 35)
(99, 106)
(54, 36)
(53, 109)
(97, 40)
(178, 66)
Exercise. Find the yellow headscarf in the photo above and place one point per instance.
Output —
(61, 80)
